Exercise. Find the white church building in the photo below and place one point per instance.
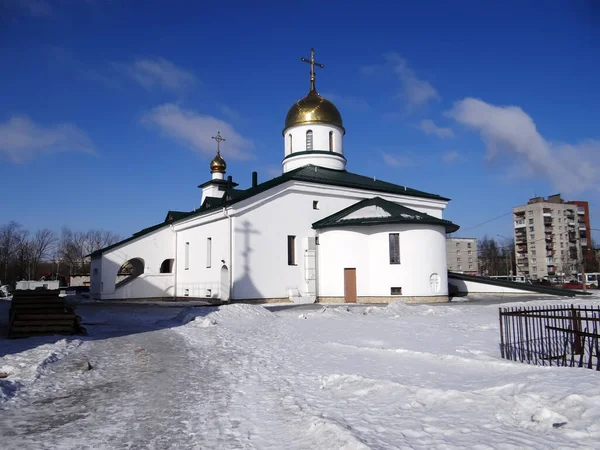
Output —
(317, 233)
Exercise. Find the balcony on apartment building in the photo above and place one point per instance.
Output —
(547, 212)
(549, 237)
(520, 223)
(570, 223)
(582, 226)
(521, 248)
(550, 252)
(584, 242)
(548, 230)
(580, 211)
(572, 237)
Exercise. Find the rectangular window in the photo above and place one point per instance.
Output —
(530, 212)
(532, 237)
(395, 248)
(530, 221)
(187, 256)
(458, 252)
(291, 248)
(469, 252)
(396, 291)
(315, 204)
(468, 245)
(533, 252)
(531, 228)
(208, 252)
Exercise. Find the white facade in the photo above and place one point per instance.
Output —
(261, 246)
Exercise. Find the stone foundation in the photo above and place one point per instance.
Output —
(387, 299)
(259, 301)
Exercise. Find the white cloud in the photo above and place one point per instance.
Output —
(508, 130)
(429, 127)
(159, 72)
(196, 131)
(416, 91)
(398, 160)
(22, 140)
(452, 157)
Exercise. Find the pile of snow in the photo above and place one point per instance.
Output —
(207, 317)
(401, 309)
(26, 367)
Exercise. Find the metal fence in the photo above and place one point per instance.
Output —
(561, 335)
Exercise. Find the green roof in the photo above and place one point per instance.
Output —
(308, 174)
(385, 212)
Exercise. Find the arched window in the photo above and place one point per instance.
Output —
(309, 140)
(331, 141)
(291, 150)
(167, 266)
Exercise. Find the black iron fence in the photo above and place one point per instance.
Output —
(561, 335)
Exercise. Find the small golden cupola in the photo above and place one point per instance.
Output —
(218, 164)
(313, 132)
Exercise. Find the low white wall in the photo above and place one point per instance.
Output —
(474, 287)
(145, 286)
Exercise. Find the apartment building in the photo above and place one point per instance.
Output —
(461, 255)
(551, 237)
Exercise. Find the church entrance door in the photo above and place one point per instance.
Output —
(350, 285)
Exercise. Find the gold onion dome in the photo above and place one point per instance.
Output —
(218, 164)
(313, 109)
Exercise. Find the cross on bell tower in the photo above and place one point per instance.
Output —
(312, 63)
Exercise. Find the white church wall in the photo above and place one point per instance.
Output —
(320, 138)
(198, 280)
(261, 230)
(366, 249)
(153, 249)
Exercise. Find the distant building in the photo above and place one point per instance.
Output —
(552, 237)
(461, 255)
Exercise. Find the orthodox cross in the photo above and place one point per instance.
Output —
(219, 139)
(312, 63)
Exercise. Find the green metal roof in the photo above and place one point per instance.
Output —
(308, 174)
(385, 212)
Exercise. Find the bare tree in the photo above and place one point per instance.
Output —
(75, 246)
(42, 244)
(8, 245)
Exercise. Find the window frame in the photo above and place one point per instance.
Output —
(394, 248)
(291, 250)
(208, 252)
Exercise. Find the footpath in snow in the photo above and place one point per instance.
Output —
(241, 376)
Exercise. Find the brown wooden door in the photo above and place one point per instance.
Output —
(350, 285)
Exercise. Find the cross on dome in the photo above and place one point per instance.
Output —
(219, 139)
(218, 164)
(312, 63)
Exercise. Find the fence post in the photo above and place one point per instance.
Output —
(501, 334)
(577, 347)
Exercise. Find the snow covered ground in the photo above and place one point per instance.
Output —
(312, 377)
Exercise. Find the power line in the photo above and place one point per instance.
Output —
(487, 221)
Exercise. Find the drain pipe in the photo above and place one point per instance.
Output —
(175, 265)
(230, 271)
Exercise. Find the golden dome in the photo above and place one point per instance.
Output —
(313, 109)
(218, 164)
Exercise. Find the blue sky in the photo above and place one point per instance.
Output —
(107, 107)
